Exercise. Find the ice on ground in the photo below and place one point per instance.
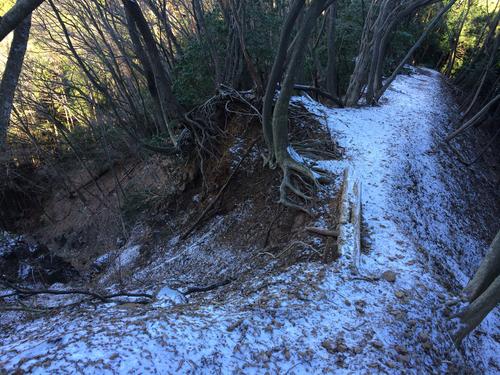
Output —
(314, 318)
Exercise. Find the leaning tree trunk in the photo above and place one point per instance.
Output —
(280, 115)
(11, 75)
(168, 103)
(370, 59)
(456, 40)
(412, 50)
(488, 270)
(275, 77)
(146, 66)
(15, 15)
(377, 51)
(360, 73)
(482, 291)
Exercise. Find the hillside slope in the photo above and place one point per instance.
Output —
(426, 226)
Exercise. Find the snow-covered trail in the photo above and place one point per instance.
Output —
(314, 318)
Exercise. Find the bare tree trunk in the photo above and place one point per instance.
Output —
(488, 270)
(11, 75)
(456, 40)
(376, 31)
(482, 291)
(360, 72)
(16, 15)
(275, 76)
(169, 106)
(377, 58)
(203, 33)
(473, 120)
(412, 50)
(237, 10)
(484, 75)
(146, 66)
(332, 84)
(280, 114)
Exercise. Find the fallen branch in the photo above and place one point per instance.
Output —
(102, 297)
(323, 232)
(201, 289)
(320, 92)
(473, 120)
(468, 163)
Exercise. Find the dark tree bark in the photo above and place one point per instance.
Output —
(16, 15)
(11, 75)
(237, 9)
(331, 68)
(146, 66)
(381, 21)
(276, 74)
(412, 50)
(168, 103)
(288, 165)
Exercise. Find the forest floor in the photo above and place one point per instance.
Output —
(427, 222)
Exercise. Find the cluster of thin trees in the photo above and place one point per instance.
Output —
(119, 64)
(136, 65)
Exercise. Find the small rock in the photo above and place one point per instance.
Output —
(287, 354)
(329, 346)
(401, 349)
(404, 358)
(390, 364)
(377, 344)
(389, 276)
(358, 350)
(341, 345)
(423, 336)
(400, 294)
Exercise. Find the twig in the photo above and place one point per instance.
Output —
(461, 158)
(201, 289)
(101, 297)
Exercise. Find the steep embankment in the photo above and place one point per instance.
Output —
(423, 223)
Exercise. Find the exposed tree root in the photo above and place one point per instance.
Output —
(304, 179)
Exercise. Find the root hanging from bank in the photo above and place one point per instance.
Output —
(298, 180)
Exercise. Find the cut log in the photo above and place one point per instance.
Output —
(356, 222)
(343, 210)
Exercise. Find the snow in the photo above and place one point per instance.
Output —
(310, 318)
(168, 295)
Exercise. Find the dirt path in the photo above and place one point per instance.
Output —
(314, 318)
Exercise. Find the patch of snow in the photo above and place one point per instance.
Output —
(129, 255)
(310, 318)
(170, 296)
